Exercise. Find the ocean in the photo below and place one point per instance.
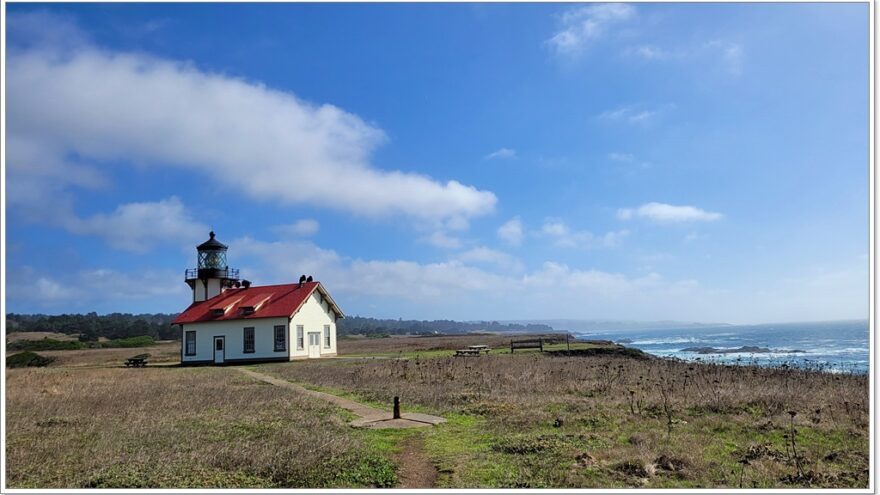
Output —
(840, 346)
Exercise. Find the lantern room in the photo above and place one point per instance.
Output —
(213, 275)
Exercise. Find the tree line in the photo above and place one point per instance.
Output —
(360, 325)
(90, 326)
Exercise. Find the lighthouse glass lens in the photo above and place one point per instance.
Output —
(212, 259)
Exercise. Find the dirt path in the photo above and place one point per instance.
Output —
(370, 417)
(414, 468)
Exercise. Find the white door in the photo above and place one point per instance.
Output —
(219, 350)
(314, 344)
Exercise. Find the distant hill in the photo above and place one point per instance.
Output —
(586, 326)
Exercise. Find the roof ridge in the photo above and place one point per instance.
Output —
(279, 285)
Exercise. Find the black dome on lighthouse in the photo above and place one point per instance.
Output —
(211, 244)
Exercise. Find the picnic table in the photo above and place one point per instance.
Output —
(473, 350)
(138, 361)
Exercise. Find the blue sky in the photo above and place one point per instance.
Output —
(703, 162)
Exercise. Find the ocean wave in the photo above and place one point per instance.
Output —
(825, 351)
(674, 340)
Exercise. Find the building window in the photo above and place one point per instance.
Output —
(190, 343)
(280, 338)
(300, 344)
(249, 339)
(326, 336)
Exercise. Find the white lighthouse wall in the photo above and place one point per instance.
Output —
(214, 287)
(233, 332)
(199, 290)
(201, 293)
(313, 315)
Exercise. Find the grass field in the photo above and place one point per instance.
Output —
(521, 420)
(177, 427)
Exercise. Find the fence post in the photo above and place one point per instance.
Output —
(396, 407)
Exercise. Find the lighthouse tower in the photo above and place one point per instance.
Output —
(213, 275)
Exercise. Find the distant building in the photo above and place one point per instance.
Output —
(232, 321)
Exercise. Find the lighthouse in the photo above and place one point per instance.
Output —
(232, 321)
(213, 275)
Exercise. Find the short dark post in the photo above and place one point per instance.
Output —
(567, 344)
(397, 408)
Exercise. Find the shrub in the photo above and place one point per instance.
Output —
(27, 358)
(44, 345)
(141, 341)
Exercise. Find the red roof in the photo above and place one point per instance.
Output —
(284, 300)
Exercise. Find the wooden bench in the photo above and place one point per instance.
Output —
(138, 361)
(527, 344)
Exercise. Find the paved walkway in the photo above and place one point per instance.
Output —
(370, 417)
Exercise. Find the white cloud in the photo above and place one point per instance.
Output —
(87, 287)
(456, 288)
(280, 262)
(138, 227)
(584, 26)
(665, 213)
(635, 115)
(511, 232)
(555, 228)
(691, 237)
(301, 228)
(483, 254)
(442, 240)
(730, 54)
(622, 157)
(630, 160)
(650, 52)
(266, 143)
(612, 239)
(501, 154)
(563, 236)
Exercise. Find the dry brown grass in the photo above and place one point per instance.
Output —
(175, 427)
(522, 420)
(395, 344)
(162, 353)
(698, 420)
(446, 383)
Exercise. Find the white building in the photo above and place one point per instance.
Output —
(232, 321)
